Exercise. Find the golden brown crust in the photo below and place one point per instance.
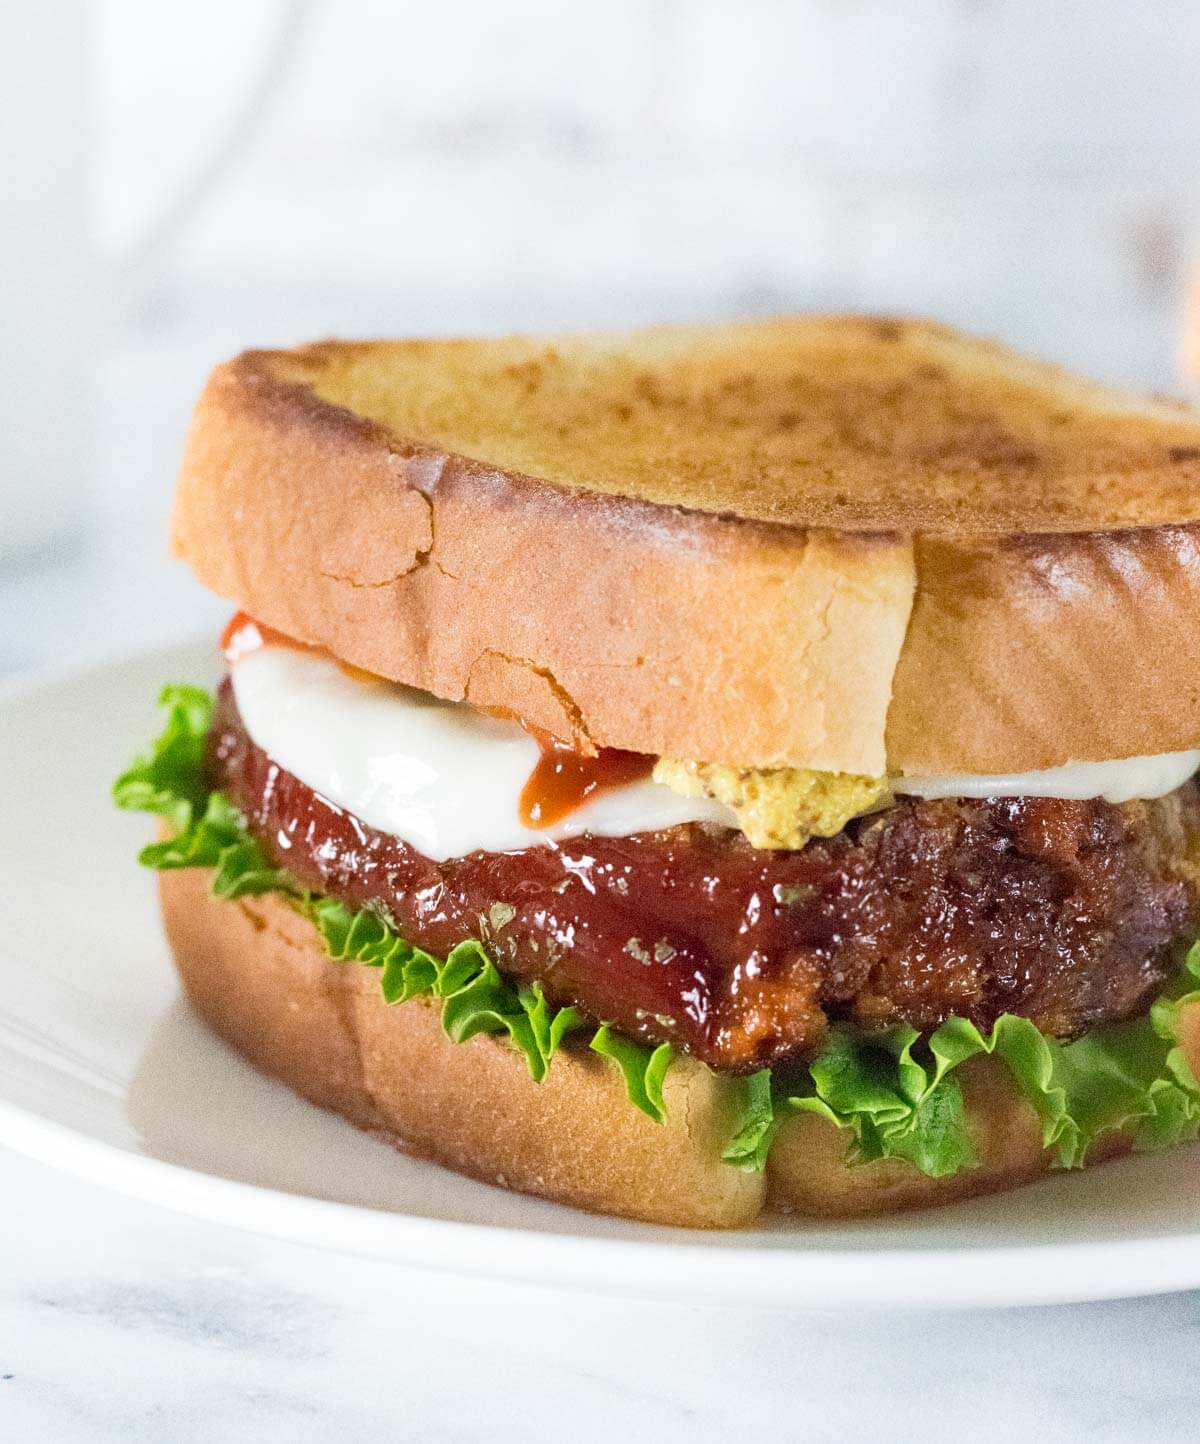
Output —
(256, 971)
(627, 539)
(846, 422)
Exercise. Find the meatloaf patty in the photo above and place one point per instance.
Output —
(1066, 912)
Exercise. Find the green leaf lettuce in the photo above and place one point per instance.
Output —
(897, 1095)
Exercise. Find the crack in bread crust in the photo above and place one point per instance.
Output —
(562, 717)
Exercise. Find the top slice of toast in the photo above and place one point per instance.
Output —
(836, 543)
(851, 423)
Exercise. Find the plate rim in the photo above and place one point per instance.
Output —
(865, 1280)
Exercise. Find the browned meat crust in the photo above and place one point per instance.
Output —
(1065, 912)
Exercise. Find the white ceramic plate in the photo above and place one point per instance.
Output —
(104, 1072)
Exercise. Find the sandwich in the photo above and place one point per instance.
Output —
(700, 770)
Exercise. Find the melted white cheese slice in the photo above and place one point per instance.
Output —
(447, 779)
(1120, 781)
(440, 776)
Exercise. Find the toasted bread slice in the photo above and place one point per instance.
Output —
(258, 974)
(832, 542)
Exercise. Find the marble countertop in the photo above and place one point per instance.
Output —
(121, 1321)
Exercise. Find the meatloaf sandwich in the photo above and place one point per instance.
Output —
(698, 770)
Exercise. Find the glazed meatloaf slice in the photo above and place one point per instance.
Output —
(1065, 912)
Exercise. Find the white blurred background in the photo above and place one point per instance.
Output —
(265, 173)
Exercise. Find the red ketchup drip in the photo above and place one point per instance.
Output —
(243, 635)
(563, 779)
